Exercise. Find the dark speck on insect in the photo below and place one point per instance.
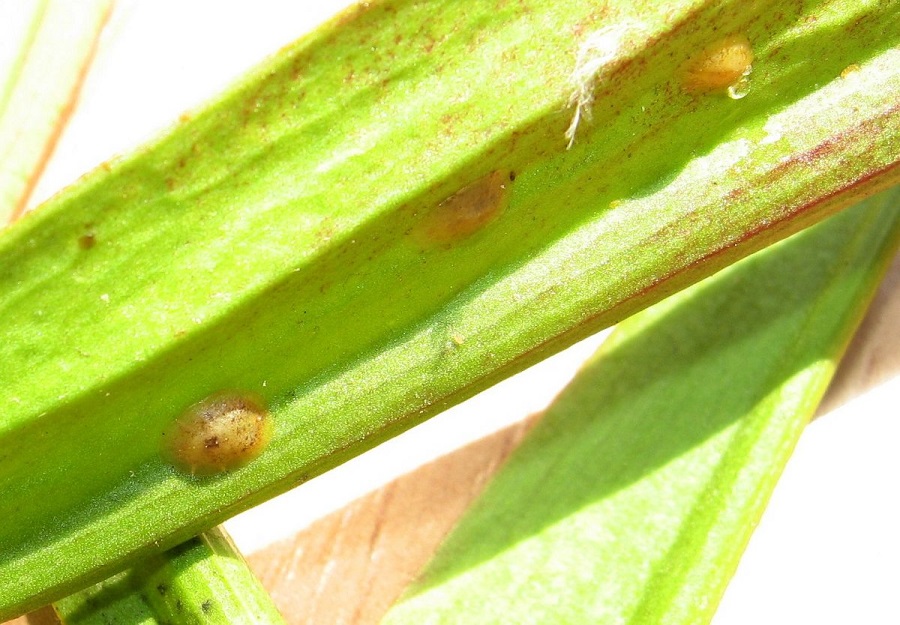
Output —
(223, 432)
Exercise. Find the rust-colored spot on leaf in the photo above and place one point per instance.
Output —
(467, 211)
(223, 432)
(87, 241)
(718, 66)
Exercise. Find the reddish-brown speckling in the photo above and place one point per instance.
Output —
(736, 195)
(449, 120)
(465, 212)
(223, 432)
(590, 22)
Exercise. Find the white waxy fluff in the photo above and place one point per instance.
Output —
(599, 49)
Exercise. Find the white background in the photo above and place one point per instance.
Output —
(827, 550)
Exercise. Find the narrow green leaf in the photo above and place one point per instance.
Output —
(633, 498)
(38, 85)
(204, 581)
(301, 241)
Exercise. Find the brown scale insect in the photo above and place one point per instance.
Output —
(467, 211)
(221, 433)
(718, 66)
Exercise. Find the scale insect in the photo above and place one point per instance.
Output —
(720, 65)
(467, 211)
(221, 433)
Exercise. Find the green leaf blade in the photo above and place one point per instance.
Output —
(39, 86)
(633, 498)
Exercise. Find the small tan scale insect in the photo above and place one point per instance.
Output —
(718, 66)
(466, 211)
(223, 432)
(850, 70)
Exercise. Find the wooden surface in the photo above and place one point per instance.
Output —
(348, 567)
(873, 356)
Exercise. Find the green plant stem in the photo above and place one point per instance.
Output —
(203, 581)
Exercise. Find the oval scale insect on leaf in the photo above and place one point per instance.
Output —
(221, 433)
(468, 210)
(718, 66)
